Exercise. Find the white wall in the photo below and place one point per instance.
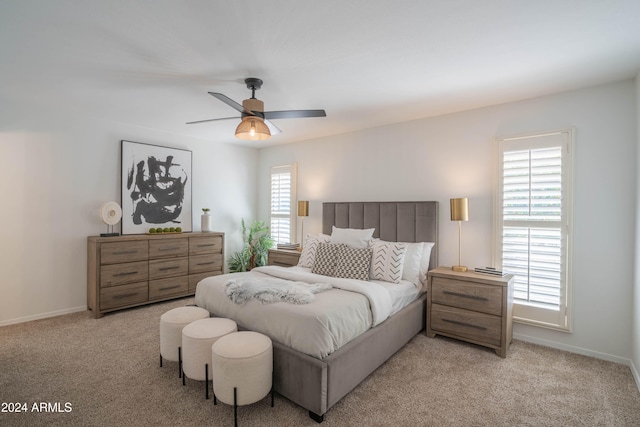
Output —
(58, 169)
(452, 156)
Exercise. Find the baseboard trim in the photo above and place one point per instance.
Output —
(636, 376)
(584, 352)
(42, 316)
(573, 349)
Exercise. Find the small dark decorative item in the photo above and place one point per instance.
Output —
(156, 187)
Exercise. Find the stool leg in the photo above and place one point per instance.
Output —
(206, 380)
(235, 408)
(179, 362)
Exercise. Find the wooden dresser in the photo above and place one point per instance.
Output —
(127, 271)
(473, 307)
(284, 258)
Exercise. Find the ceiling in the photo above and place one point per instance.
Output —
(367, 63)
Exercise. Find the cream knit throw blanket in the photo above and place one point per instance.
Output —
(268, 291)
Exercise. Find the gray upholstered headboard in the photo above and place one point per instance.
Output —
(393, 221)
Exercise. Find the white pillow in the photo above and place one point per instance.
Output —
(424, 263)
(412, 261)
(387, 260)
(309, 249)
(352, 237)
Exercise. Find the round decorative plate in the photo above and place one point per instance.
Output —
(110, 213)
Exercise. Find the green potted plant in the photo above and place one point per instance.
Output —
(257, 242)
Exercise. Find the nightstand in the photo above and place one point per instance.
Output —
(284, 258)
(469, 306)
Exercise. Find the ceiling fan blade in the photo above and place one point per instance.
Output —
(272, 128)
(231, 103)
(212, 120)
(294, 114)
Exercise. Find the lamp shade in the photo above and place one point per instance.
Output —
(253, 128)
(460, 209)
(303, 208)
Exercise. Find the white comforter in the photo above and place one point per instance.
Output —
(319, 328)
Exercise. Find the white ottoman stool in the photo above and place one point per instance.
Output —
(197, 339)
(242, 369)
(171, 324)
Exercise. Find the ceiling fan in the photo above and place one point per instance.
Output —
(256, 124)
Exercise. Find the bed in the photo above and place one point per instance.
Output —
(317, 374)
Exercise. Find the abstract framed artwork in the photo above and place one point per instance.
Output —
(156, 187)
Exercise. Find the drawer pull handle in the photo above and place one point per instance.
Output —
(469, 325)
(206, 244)
(284, 264)
(174, 248)
(126, 273)
(457, 294)
(206, 263)
(166, 288)
(131, 294)
(135, 251)
(169, 268)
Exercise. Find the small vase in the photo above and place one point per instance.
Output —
(205, 224)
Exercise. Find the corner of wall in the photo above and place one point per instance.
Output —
(635, 326)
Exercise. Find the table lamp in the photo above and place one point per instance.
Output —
(303, 210)
(459, 212)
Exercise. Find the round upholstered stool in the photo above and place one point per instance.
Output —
(242, 369)
(171, 324)
(197, 339)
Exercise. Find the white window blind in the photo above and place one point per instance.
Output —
(283, 180)
(534, 224)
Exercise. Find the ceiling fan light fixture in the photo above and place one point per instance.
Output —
(253, 128)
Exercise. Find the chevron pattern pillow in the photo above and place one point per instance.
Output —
(309, 249)
(325, 260)
(387, 260)
(353, 263)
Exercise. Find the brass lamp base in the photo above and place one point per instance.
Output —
(459, 268)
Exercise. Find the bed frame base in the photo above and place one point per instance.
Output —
(317, 384)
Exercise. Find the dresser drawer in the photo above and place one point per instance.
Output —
(124, 295)
(168, 248)
(160, 268)
(111, 253)
(468, 295)
(195, 278)
(167, 287)
(203, 263)
(205, 245)
(119, 274)
(479, 327)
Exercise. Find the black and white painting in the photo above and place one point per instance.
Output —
(156, 187)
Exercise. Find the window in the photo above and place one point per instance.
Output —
(534, 224)
(283, 193)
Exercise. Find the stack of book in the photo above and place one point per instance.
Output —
(490, 270)
(288, 246)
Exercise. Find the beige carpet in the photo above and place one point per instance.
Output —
(107, 371)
